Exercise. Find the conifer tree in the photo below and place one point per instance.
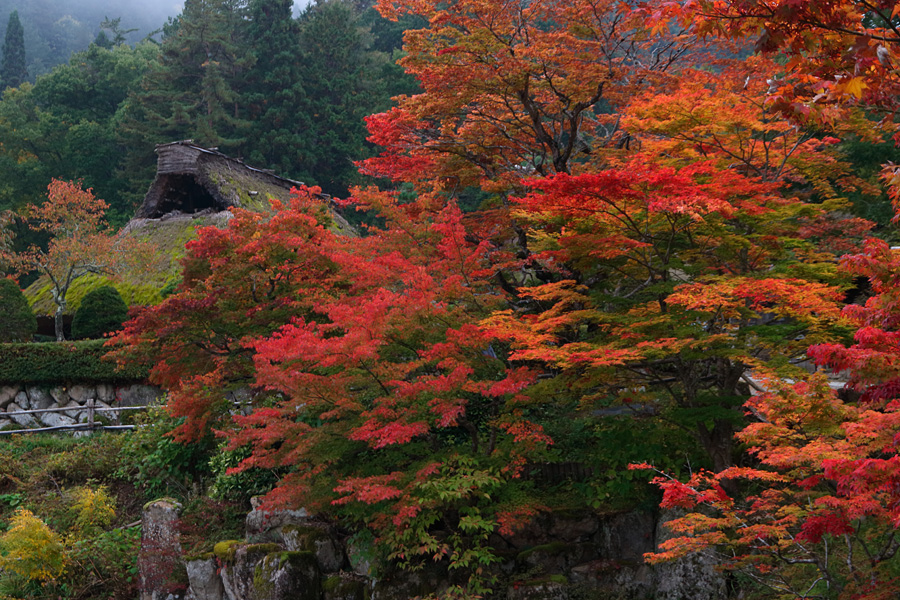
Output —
(274, 87)
(192, 91)
(195, 91)
(13, 71)
(339, 80)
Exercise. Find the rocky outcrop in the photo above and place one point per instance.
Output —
(290, 554)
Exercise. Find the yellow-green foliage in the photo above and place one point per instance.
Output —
(31, 549)
(138, 287)
(94, 508)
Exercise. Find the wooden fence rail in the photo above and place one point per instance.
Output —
(90, 425)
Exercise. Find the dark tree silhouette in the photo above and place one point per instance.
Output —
(13, 71)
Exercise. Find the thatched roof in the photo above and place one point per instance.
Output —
(190, 179)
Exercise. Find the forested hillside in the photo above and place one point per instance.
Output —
(611, 257)
(55, 29)
(245, 77)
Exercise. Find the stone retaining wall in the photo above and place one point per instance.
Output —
(74, 399)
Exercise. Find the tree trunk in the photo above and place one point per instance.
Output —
(718, 443)
(58, 323)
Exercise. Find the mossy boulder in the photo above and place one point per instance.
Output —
(316, 539)
(268, 572)
(287, 576)
(225, 551)
(345, 586)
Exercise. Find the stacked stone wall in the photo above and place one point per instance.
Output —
(73, 399)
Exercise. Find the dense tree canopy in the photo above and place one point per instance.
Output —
(644, 234)
(595, 234)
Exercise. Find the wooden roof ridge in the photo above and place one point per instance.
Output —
(215, 152)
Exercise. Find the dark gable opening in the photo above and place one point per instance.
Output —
(182, 193)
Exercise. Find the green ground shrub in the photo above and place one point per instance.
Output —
(101, 312)
(17, 322)
(160, 466)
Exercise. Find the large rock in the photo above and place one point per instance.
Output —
(106, 393)
(361, 557)
(8, 394)
(555, 557)
(203, 579)
(22, 420)
(345, 586)
(693, 576)
(39, 398)
(56, 420)
(316, 539)
(265, 572)
(627, 536)
(73, 409)
(60, 395)
(81, 393)
(287, 576)
(162, 574)
(22, 402)
(138, 395)
(265, 525)
(573, 528)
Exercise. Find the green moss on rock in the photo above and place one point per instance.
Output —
(344, 587)
(551, 549)
(225, 551)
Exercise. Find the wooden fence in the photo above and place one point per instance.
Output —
(89, 425)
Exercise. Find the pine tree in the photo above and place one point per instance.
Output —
(195, 91)
(13, 71)
(339, 80)
(275, 92)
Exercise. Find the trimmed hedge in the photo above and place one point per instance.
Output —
(61, 363)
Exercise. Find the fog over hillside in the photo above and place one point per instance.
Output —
(54, 29)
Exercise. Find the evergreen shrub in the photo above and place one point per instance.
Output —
(63, 362)
(17, 322)
(102, 311)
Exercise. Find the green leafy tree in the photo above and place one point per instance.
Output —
(102, 40)
(17, 322)
(307, 100)
(13, 71)
(102, 311)
(65, 125)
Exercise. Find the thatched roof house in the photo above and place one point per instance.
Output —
(194, 187)
(191, 179)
